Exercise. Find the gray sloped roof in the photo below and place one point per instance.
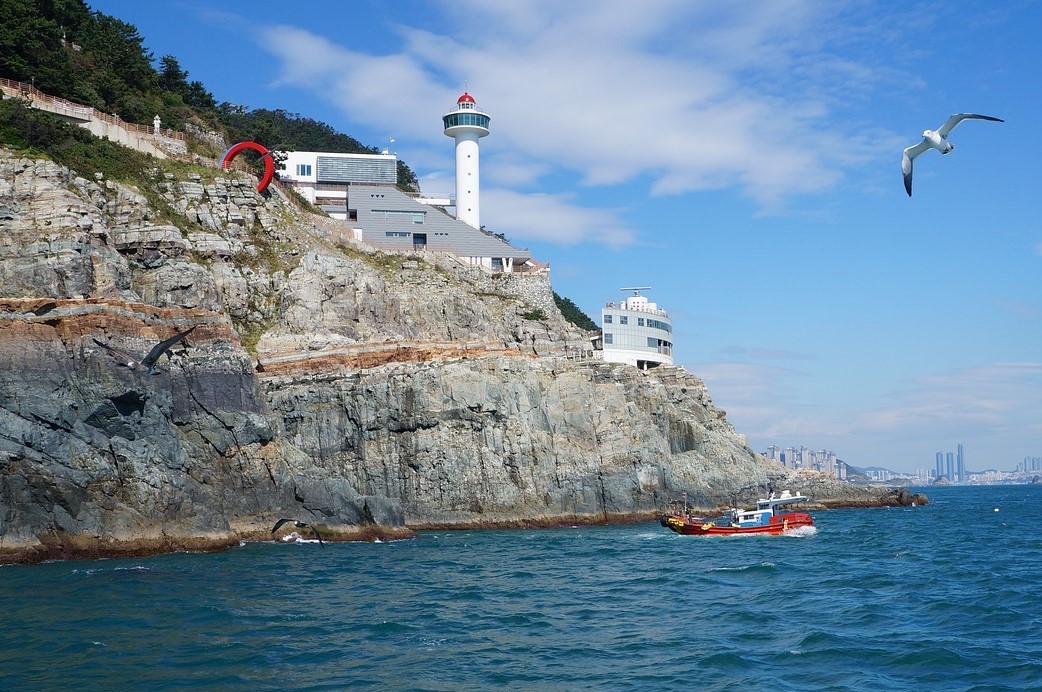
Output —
(345, 169)
(384, 209)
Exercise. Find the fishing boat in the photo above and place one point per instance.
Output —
(765, 519)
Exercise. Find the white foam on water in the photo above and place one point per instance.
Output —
(295, 537)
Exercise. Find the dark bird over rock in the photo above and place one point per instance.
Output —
(145, 366)
(299, 525)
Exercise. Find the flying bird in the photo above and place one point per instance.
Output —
(299, 525)
(145, 366)
(936, 139)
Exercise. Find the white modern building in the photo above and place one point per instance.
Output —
(360, 189)
(467, 125)
(637, 332)
(322, 177)
(386, 218)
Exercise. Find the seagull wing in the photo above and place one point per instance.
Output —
(317, 535)
(906, 162)
(951, 122)
(123, 358)
(161, 348)
(279, 524)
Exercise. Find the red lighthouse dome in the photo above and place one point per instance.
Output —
(466, 98)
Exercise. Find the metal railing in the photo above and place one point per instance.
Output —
(80, 111)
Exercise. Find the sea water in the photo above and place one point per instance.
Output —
(941, 597)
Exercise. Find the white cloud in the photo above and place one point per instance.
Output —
(990, 407)
(999, 398)
(758, 399)
(553, 218)
(1026, 311)
(683, 96)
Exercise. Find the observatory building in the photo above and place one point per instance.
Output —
(636, 332)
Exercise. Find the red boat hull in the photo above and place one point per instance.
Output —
(688, 526)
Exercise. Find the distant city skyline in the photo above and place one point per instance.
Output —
(951, 465)
(802, 457)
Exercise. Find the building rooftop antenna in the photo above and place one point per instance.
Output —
(636, 289)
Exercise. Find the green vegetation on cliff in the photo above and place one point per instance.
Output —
(573, 314)
(64, 49)
(38, 133)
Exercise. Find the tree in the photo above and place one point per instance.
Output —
(197, 96)
(174, 79)
(571, 312)
(171, 76)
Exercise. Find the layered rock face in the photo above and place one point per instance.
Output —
(323, 381)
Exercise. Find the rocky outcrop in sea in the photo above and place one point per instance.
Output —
(365, 392)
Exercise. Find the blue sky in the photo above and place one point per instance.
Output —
(743, 159)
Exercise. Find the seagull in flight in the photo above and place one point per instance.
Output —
(147, 365)
(936, 139)
(299, 525)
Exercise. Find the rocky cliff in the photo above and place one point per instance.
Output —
(324, 381)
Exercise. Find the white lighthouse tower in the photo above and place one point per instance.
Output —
(467, 125)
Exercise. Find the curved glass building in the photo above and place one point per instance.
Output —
(637, 332)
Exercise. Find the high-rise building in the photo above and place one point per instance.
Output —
(467, 125)
(949, 462)
(939, 467)
(960, 466)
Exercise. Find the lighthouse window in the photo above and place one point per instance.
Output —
(607, 319)
(623, 319)
(472, 119)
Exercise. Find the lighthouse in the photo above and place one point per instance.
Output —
(467, 125)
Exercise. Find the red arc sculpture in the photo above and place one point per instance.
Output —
(269, 162)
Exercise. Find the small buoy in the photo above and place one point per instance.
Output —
(996, 509)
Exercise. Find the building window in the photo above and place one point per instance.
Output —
(607, 337)
(623, 319)
(304, 169)
(607, 319)
(658, 324)
(416, 217)
(397, 234)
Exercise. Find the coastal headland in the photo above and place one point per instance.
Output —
(369, 393)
